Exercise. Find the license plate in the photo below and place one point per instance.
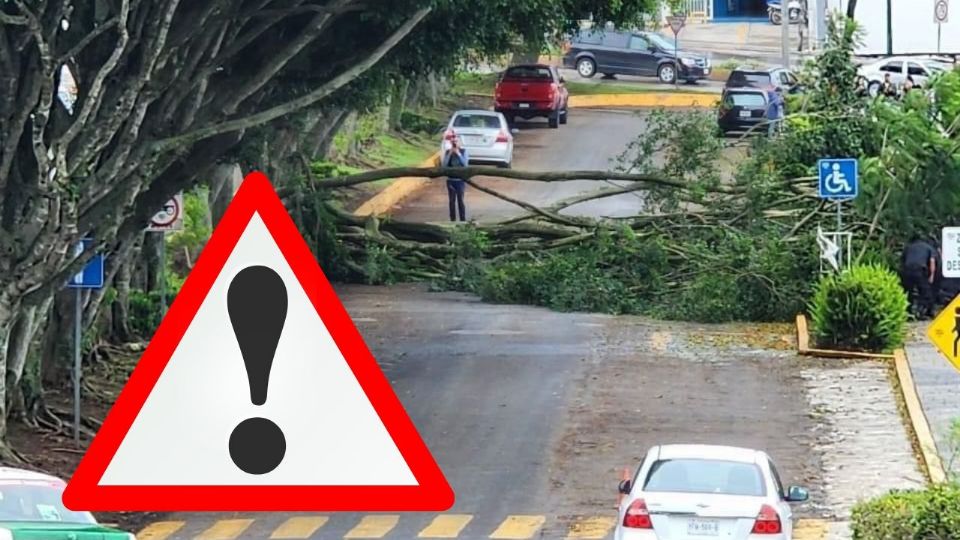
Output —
(703, 527)
(745, 114)
(706, 71)
(474, 138)
(524, 105)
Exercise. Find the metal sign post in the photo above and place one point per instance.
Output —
(169, 218)
(941, 16)
(785, 31)
(677, 22)
(91, 277)
(839, 180)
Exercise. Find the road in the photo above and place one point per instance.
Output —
(532, 414)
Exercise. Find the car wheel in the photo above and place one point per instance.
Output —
(505, 165)
(667, 73)
(586, 67)
(563, 116)
(554, 120)
(776, 18)
(874, 89)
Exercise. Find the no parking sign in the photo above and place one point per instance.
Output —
(170, 217)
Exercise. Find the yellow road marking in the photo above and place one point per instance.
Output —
(810, 529)
(373, 527)
(518, 527)
(159, 530)
(594, 528)
(446, 526)
(299, 527)
(225, 529)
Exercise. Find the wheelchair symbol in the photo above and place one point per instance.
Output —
(836, 182)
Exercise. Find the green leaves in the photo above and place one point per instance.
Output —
(862, 308)
(930, 514)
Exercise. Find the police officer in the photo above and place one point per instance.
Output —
(918, 270)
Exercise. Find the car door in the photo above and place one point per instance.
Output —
(641, 60)
(783, 507)
(895, 68)
(918, 73)
(614, 53)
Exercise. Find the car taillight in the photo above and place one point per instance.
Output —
(502, 137)
(637, 516)
(768, 521)
(552, 93)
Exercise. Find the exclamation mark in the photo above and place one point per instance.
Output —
(257, 304)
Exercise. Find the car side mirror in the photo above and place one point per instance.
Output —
(562, 80)
(797, 494)
(625, 487)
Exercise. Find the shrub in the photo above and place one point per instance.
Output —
(861, 308)
(930, 514)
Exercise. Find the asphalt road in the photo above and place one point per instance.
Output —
(591, 140)
(533, 414)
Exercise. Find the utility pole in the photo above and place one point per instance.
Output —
(785, 31)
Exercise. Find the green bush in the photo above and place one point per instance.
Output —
(862, 308)
(930, 514)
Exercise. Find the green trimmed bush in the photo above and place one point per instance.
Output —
(930, 514)
(862, 308)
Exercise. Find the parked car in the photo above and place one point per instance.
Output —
(486, 135)
(531, 91)
(693, 491)
(764, 78)
(633, 53)
(31, 507)
(742, 109)
(899, 68)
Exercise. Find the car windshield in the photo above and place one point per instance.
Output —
(705, 476)
(476, 121)
(743, 78)
(37, 501)
(528, 72)
(746, 99)
(660, 41)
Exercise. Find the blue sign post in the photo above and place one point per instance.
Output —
(91, 277)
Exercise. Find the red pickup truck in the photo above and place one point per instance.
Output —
(531, 91)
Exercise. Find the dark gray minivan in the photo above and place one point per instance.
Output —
(632, 53)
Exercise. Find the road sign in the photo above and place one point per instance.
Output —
(944, 332)
(91, 277)
(839, 178)
(941, 12)
(677, 22)
(170, 217)
(257, 393)
(950, 249)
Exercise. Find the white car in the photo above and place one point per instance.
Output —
(485, 134)
(899, 68)
(684, 492)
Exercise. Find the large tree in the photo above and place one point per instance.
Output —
(166, 88)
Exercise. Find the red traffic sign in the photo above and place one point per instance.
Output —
(170, 217)
(677, 22)
(257, 393)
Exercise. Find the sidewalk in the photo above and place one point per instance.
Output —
(938, 385)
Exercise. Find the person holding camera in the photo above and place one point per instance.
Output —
(456, 156)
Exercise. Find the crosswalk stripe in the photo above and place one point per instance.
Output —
(518, 527)
(593, 528)
(160, 530)
(298, 527)
(810, 529)
(446, 526)
(373, 527)
(225, 529)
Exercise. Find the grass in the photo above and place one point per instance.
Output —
(475, 83)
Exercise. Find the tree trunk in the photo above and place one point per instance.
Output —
(18, 345)
(320, 149)
(152, 245)
(433, 90)
(398, 100)
(224, 182)
(120, 309)
(57, 347)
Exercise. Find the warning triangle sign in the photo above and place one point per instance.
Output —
(257, 393)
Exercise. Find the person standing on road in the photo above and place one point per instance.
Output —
(456, 156)
(775, 110)
(918, 269)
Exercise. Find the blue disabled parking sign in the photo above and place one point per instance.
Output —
(839, 178)
(91, 277)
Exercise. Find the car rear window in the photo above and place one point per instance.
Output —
(528, 72)
(37, 501)
(741, 78)
(745, 99)
(476, 121)
(705, 476)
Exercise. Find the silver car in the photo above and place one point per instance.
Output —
(485, 134)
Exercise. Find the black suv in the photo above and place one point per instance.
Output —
(764, 79)
(632, 53)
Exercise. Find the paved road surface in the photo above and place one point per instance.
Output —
(591, 140)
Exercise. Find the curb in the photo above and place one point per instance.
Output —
(643, 99)
(803, 347)
(395, 193)
(918, 419)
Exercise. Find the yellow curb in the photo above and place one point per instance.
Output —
(803, 347)
(918, 420)
(396, 192)
(646, 99)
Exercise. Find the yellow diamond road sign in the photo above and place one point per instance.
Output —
(944, 332)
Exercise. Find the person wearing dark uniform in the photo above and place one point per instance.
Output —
(918, 268)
